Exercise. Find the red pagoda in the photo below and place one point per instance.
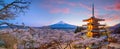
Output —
(93, 25)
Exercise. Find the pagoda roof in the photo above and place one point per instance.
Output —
(94, 18)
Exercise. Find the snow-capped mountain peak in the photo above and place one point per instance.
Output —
(61, 22)
(62, 25)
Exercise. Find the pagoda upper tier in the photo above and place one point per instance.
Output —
(92, 19)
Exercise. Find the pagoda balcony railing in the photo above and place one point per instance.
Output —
(84, 25)
(95, 24)
(92, 23)
(96, 30)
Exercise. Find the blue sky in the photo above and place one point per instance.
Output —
(47, 12)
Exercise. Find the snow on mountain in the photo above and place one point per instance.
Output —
(62, 25)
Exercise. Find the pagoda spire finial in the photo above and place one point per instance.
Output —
(93, 10)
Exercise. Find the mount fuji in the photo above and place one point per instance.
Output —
(62, 25)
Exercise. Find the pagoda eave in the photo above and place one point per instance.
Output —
(102, 25)
(93, 18)
(101, 19)
(86, 20)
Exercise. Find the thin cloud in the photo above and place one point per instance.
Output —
(53, 6)
(60, 10)
(110, 17)
(85, 6)
(115, 7)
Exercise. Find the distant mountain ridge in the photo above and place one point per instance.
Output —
(115, 26)
(115, 29)
(59, 25)
(15, 26)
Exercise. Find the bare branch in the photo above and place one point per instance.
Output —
(11, 10)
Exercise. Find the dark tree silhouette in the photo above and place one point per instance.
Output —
(78, 29)
(11, 10)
